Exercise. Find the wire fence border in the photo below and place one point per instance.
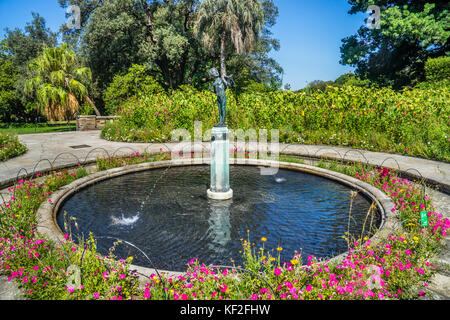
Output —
(164, 148)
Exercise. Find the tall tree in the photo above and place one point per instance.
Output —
(235, 22)
(258, 66)
(395, 54)
(114, 35)
(10, 107)
(20, 47)
(25, 46)
(58, 85)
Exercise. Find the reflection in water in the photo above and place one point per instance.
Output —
(177, 222)
(219, 226)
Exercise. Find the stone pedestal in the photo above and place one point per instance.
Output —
(220, 165)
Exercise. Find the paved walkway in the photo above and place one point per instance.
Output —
(56, 150)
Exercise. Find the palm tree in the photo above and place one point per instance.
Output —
(240, 21)
(58, 86)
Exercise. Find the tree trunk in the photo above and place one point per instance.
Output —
(223, 66)
(93, 106)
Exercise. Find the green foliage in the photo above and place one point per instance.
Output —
(18, 128)
(25, 46)
(319, 85)
(352, 80)
(159, 34)
(438, 69)
(412, 121)
(395, 54)
(58, 85)
(136, 82)
(223, 25)
(10, 147)
(11, 108)
(16, 51)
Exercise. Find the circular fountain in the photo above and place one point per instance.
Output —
(177, 221)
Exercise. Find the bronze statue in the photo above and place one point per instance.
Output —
(220, 86)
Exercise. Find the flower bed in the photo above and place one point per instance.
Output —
(412, 122)
(389, 270)
(10, 147)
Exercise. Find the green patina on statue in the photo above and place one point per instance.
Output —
(220, 86)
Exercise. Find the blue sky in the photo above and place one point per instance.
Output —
(310, 32)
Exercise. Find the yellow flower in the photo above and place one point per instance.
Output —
(416, 239)
(294, 261)
(263, 239)
(279, 249)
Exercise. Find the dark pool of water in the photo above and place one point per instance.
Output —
(176, 222)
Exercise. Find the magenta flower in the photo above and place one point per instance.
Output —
(223, 287)
(277, 271)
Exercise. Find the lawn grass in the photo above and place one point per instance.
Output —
(31, 128)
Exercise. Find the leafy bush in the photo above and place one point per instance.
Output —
(135, 82)
(352, 80)
(10, 147)
(413, 121)
(438, 69)
(11, 108)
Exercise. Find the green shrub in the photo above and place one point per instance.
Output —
(10, 147)
(413, 121)
(136, 82)
(438, 69)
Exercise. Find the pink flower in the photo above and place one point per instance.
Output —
(223, 287)
(277, 271)
(408, 252)
(255, 297)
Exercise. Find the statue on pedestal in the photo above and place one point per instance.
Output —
(220, 86)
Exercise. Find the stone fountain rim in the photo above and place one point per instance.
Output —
(48, 211)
